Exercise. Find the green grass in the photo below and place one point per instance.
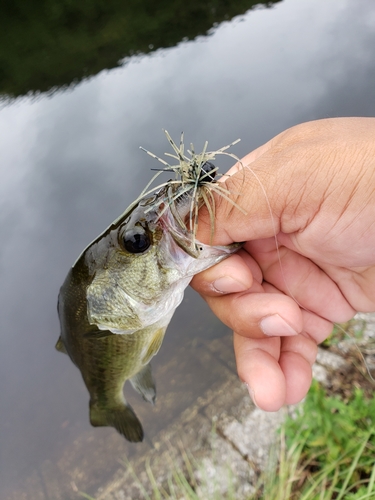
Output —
(327, 452)
(352, 331)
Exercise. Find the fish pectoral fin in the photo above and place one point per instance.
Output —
(144, 384)
(154, 345)
(122, 418)
(60, 346)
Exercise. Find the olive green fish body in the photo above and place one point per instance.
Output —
(107, 360)
(118, 299)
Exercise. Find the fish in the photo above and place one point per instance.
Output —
(120, 295)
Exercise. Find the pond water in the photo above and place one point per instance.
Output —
(70, 163)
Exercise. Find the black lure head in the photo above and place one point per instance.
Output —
(208, 172)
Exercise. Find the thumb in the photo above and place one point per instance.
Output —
(250, 206)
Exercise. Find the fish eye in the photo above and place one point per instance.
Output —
(136, 240)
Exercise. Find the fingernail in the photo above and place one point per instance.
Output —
(227, 284)
(276, 326)
(252, 395)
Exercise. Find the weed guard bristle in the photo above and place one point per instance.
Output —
(195, 177)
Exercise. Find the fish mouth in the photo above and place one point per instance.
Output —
(179, 247)
(173, 211)
(175, 220)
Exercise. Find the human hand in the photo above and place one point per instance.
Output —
(311, 189)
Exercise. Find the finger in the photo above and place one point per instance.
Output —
(258, 367)
(301, 279)
(315, 327)
(254, 192)
(301, 345)
(298, 376)
(277, 371)
(297, 356)
(233, 274)
(253, 313)
(258, 315)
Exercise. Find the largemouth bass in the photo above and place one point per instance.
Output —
(120, 295)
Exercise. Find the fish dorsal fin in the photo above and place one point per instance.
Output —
(144, 384)
(154, 345)
(60, 346)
